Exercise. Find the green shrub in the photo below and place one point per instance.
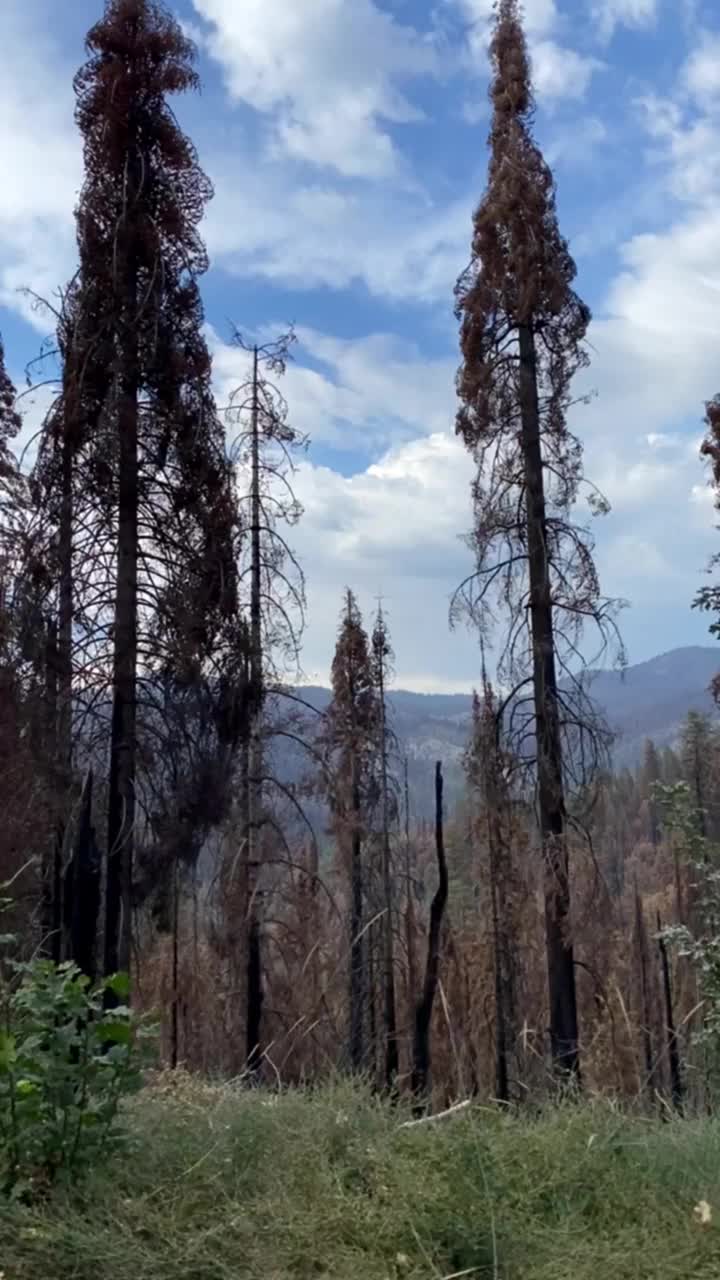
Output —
(65, 1063)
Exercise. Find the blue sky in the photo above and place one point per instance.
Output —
(347, 143)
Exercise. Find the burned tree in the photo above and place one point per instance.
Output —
(382, 656)
(487, 770)
(161, 587)
(351, 735)
(522, 335)
(421, 1078)
(20, 699)
(263, 450)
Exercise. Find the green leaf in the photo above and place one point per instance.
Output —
(119, 984)
(8, 1051)
(115, 1032)
(26, 1088)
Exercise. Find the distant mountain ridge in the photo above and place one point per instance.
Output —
(648, 700)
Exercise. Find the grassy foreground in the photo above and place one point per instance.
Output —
(222, 1184)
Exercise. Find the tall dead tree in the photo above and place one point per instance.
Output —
(153, 464)
(522, 335)
(263, 449)
(421, 1078)
(641, 942)
(677, 1089)
(351, 736)
(486, 769)
(381, 660)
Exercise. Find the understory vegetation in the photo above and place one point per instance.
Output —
(219, 1183)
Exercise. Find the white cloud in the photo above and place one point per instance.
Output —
(328, 71)
(369, 393)
(701, 73)
(391, 530)
(684, 146)
(40, 161)
(703, 498)
(610, 14)
(661, 440)
(559, 72)
(263, 224)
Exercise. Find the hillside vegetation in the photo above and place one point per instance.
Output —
(220, 1184)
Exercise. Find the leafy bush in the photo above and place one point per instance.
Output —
(65, 1063)
(701, 944)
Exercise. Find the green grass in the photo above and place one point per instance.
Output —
(221, 1185)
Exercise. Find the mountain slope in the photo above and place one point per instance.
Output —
(648, 700)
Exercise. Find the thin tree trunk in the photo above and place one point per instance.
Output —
(51, 888)
(389, 1009)
(121, 800)
(357, 942)
(84, 896)
(676, 1082)
(254, 784)
(174, 1020)
(492, 798)
(502, 1075)
(65, 626)
(255, 995)
(644, 992)
(372, 1049)
(423, 1012)
(410, 926)
(315, 943)
(560, 959)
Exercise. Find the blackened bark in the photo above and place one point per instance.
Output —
(644, 992)
(391, 1064)
(357, 941)
(255, 995)
(502, 1075)
(551, 804)
(254, 990)
(174, 1013)
(121, 803)
(423, 1013)
(65, 625)
(51, 871)
(677, 1091)
(409, 901)
(83, 881)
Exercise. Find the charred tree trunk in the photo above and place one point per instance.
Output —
(82, 888)
(51, 872)
(357, 941)
(255, 995)
(315, 943)
(389, 1007)
(677, 1091)
(560, 959)
(121, 797)
(65, 626)
(644, 992)
(121, 802)
(502, 1075)
(371, 1000)
(254, 757)
(410, 926)
(494, 799)
(174, 1013)
(423, 1013)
